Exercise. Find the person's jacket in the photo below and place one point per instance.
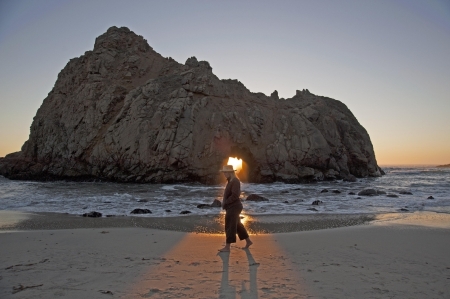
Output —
(231, 194)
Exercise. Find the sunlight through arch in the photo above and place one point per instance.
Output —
(237, 163)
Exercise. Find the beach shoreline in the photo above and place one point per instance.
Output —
(393, 256)
(261, 224)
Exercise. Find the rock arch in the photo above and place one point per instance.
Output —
(122, 112)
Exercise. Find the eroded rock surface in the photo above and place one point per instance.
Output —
(123, 112)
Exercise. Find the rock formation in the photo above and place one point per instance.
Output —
(123, 112)
(444, 166)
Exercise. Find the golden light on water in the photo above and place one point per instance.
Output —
(237, 163)
(244, 219)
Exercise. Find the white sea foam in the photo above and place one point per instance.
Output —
(121, 199)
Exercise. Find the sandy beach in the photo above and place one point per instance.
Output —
(395, 256)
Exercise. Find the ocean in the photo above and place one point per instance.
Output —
(283, 199)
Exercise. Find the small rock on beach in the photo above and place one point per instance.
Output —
(92, 214)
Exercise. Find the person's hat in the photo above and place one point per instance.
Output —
(227, 168)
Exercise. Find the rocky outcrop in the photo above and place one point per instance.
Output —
(122, 112)
(444, 166)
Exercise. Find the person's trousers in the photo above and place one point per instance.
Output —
(233, 224)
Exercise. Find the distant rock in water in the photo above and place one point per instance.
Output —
(371, 192)
(444, 166)
(215, 204)
(405, 192)
(368, 192)
(122, 112)
(141, 211)
(256, 197)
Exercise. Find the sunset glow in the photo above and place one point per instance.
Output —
(399, 69)
(237, 163)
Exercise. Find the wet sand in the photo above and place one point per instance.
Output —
(395, 256)
(14, 220)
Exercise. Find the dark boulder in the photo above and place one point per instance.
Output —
(256, 197)
(185, 212)
(336, 191)
(141, 211)
(92, 214)
(367, 192)
(216, 203)
(324, 191)
(349, 178)
(351, 193)
(405, 192)
(392, 195)
(430, 197)
(203, 206)
(316, 202)
(371, 192)
(312, 209)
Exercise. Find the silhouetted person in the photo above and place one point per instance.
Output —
(232, 204)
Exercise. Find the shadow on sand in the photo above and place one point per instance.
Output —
(229, 291)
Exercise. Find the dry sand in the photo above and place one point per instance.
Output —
(398, 256)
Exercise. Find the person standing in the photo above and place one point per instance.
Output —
(232, 205)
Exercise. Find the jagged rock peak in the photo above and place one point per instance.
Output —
(303, 92)
(274, 95)
(193, 62)
(120, 39)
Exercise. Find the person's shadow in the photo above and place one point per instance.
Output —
(228, 291)
(252, 269)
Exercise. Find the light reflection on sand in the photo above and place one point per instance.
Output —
(427, 219)
(195, 269)
(11, 218)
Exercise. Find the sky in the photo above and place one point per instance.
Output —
(387, 60)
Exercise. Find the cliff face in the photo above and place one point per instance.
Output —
(123, 112)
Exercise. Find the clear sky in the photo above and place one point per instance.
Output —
(387, 60)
